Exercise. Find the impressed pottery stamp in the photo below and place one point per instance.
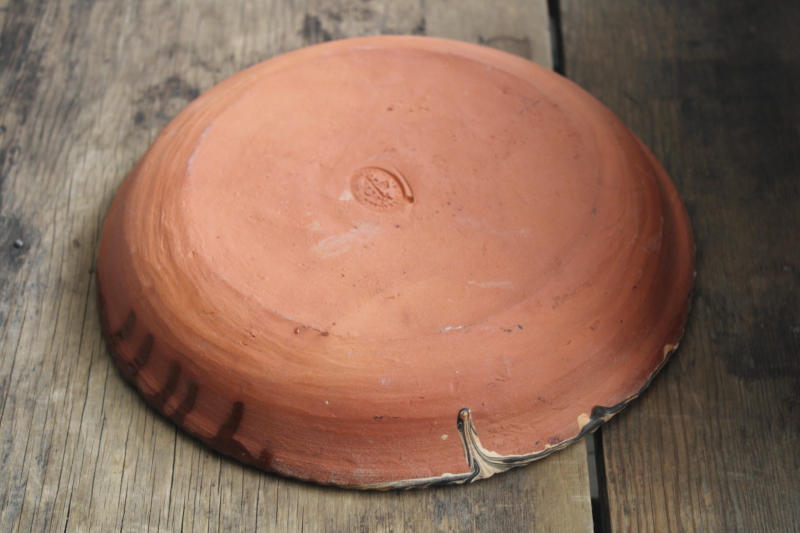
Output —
(380, 190)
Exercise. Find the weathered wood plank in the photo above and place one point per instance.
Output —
(84, 88)
(712, 88)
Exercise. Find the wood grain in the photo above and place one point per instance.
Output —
(85, 86)
(711, 87)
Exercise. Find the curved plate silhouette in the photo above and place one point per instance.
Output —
(393, 262)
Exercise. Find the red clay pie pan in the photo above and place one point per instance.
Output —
(394, 262)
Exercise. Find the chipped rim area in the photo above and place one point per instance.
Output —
(484, 463)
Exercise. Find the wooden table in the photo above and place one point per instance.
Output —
(712, 87)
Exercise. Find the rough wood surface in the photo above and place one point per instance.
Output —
(712, 87)
(84, 88)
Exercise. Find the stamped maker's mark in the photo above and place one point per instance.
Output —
(380, 190)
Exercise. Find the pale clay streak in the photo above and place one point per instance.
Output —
(341, 242)
(507, 285)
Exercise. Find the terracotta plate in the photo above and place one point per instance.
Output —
(393, 262)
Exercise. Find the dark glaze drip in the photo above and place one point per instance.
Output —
(143, 355)
(264, 460)
(127, 328)
(231, 426)
(186, 405)
(160, 399)
(224, 441)
(131, 369)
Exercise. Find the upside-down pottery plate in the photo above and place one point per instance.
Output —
(392, 262)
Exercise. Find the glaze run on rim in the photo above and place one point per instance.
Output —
(393, 262)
